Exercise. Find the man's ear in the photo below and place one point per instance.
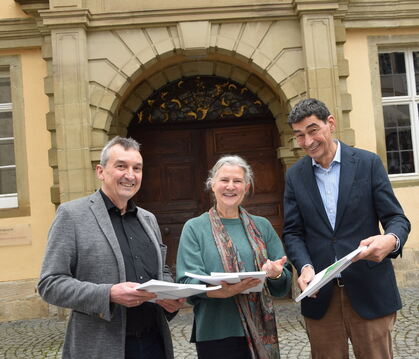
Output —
(332, 123)
(99, 172)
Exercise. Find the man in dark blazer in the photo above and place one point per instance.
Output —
(335, 198)
(99, 248)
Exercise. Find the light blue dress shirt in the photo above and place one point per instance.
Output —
(328, 183)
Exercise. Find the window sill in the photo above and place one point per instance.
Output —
(404, 181)
(8, 201)
(15, 212)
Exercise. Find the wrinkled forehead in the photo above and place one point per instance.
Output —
(118, 153)
(309, 122)
(230, 170)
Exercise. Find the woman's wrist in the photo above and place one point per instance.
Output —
(277, 277)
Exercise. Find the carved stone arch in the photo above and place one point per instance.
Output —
(229, 71)
(265, 56)
(228, 67)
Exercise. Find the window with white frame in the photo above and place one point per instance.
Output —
(399, 75)
(8, 187)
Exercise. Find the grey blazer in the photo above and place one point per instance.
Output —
(82, 262)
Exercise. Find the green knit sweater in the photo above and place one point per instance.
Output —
(217, 318)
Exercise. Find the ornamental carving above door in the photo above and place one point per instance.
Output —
(201, 98)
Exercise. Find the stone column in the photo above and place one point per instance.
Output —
(319, 46)
(71, 101)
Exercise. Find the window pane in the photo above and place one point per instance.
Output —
(5, 94)
(393, 74)
(416, 67)
(407, 162)
(8, 180)
(396, 116)
(6, 124)
(7, 153)
(405, 138)
(391, 139)
(393, 163)
(399, 145)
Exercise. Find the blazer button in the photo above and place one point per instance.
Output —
(333, 240)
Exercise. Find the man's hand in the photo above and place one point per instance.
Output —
(171, 305)
(229, 290)
(307, 275)
(274, 269)
(126, 294)
(378, 247)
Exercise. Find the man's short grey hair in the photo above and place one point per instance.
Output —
(126, 143)
(307, 107)
(231, 160)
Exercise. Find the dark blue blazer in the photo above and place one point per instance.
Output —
(365, 199)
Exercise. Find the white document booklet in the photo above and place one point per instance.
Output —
(168, 290)
(327, 274)
(235, 277)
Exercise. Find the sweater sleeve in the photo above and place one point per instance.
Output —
(189, 255)
(281, 286)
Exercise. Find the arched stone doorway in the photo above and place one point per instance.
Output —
(184, 127)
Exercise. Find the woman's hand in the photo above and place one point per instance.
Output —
(274, 269)
(171, 305)
(230, 290)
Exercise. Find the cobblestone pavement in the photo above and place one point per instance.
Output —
(42, 338)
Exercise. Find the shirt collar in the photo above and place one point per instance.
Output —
(336, 158)
(131, 206)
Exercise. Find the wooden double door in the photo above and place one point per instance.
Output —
(176, 164)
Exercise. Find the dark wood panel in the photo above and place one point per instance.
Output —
(176, 177)
(237, 139)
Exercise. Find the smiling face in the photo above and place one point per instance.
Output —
(315, 137)
(229, 189)
(121, 176)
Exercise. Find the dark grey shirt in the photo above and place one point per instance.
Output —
(140, 259)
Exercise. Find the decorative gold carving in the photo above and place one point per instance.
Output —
(175, 100)
(200, 98)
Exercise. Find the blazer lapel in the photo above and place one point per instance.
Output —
(98, 208)
(347, 176)
(312, 190)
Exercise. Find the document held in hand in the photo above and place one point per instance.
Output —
(327, 274)
(168, 290)
(234, 277)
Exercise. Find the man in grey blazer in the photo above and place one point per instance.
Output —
(99, 248)
(335, 198)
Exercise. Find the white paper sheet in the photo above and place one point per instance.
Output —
(167, 290)
(235, 277)
(327, 274)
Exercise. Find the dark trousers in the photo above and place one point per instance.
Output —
(147, 347)
(228, 348)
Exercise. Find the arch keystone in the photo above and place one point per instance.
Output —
(194, 36)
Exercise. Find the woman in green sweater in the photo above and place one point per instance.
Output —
(227, 238)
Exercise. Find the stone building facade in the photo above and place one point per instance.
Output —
(94, 63)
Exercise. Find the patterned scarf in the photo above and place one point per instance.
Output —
(256, 309)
